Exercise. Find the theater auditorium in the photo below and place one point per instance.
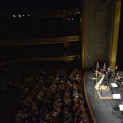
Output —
(61, 61)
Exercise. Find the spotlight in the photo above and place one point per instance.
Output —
(72, 19)
(28, 15)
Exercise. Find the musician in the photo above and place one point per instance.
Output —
(101, 71)
(116, 70)
(104, 68)
(97, 66)
(109, 72)
(117, 78)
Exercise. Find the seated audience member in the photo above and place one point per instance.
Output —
(39, 99)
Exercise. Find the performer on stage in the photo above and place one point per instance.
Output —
(116, 70)
(109, 72)
(117, 78)
(104, 68)
(97, 66)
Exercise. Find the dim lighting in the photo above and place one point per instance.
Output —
(23, 15)
(19, 16)
(42, 13)
(69, 11)
(79, 12)
(14, 16)
(58, 11)
(72, 19)
(64, 10)
(53, 12)
(68, 19)
(28, 15)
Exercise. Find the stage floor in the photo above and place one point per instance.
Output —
(102, 109)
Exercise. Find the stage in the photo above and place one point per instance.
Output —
(102, 108)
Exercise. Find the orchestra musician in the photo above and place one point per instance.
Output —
(97, 66)
(116, 70)
(101, 71)
(109, 71)
(104, 68)
(117, 78)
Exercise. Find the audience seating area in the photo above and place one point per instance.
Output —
(41, 94)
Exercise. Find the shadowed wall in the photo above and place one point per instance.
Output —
(98, 31)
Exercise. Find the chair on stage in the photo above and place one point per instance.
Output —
(118, 110)
(122, 84)
(113, 87)
(115, 110)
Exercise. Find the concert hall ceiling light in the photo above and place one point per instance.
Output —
(69, 11)
(19, 16)
(14, 16)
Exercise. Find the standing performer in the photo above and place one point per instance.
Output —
(104, 68)
(97, 66)
(116, 70)
(109, 73)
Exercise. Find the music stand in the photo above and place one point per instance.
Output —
(116, 97)
(121, 109)
(114, 85)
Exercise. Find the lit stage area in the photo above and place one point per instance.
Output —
(105, 105)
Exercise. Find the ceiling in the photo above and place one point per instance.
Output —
(38, 4)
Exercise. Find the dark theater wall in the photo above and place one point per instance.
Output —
(98, 31)
(120, 41)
